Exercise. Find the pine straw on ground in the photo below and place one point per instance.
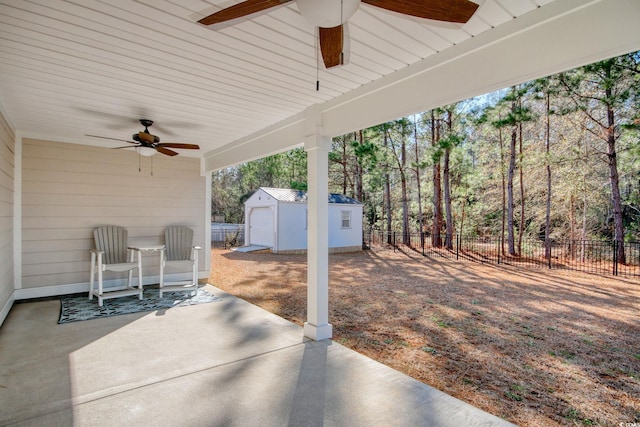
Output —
(535, 347)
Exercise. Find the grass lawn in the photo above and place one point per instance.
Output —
(536, 347)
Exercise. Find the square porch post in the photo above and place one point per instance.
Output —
(317, 326)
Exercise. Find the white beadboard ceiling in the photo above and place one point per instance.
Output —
(75, 67)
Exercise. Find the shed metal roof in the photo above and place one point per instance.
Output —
(290, 195)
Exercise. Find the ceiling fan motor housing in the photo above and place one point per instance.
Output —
(327, 13)
(146, 139)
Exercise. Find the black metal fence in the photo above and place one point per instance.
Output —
(590, 256)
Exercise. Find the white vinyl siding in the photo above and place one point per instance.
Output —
(7, 169)
(69, 189)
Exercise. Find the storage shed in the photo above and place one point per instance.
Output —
(277, 218)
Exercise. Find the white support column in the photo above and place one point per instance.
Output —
(317, 326)
(207, 224)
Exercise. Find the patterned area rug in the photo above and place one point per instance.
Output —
(80, 307)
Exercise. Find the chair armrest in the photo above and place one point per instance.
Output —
(197, 248)
(95, 251)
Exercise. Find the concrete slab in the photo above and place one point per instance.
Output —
(251, 248)
(226, 363)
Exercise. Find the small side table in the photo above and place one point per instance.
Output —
(140, 249)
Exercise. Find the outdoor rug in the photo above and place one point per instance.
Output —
(79, 307)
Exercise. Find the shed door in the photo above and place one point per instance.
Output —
(261, 223)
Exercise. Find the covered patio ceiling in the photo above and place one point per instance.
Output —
(74, 67)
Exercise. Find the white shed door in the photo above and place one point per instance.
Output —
(261, 222)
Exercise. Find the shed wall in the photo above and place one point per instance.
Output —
(343, 237)
(258, 200)
(292, 226)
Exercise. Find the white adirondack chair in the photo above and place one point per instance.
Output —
(112, 254)
(180, 256)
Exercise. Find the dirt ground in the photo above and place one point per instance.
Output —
(535, 347)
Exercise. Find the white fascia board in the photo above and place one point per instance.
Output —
(274, 139)
(289, 202)
(559, 36)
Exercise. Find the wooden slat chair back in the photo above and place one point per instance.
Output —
(112, 241)
(112, 254)
(178, 242)
(180, 255)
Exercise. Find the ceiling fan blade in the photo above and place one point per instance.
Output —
(441, 10)
(114, 139)
(240, 10)
(331, 43)
(166, 151)
(126, 146)
(179, 145)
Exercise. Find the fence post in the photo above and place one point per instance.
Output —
(458, 238)
(499, 247)
(422, 242)
(550, 252)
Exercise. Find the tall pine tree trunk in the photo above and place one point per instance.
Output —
(464, 202)
(504, 193)
(614, 178)
(572, 226)
(547, 217)
(583, 235)
(359, 171)
(406, 237)
(447, 201)
(437, 187)
(510, 174)
(387, 193)
(447, 187)
(387, 205)
(418, 183)
(344, 165)
(522, 201)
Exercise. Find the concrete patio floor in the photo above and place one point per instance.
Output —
(224, 363)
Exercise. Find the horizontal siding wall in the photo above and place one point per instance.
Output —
(69, 189)
(7, 169)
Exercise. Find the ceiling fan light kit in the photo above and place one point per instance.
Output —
(145, 151)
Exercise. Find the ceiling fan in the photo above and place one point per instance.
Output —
(331, 15)
(147, 144)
